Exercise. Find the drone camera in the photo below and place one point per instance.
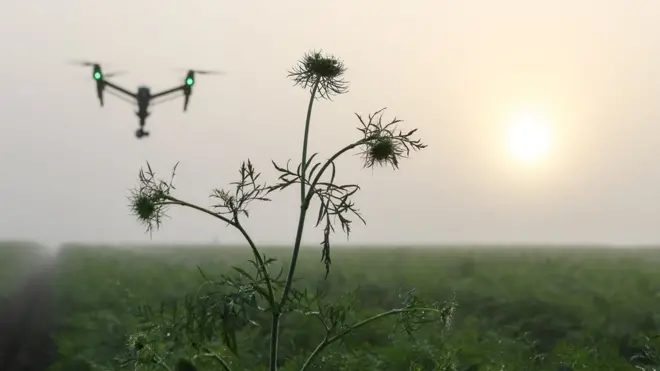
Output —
(139, 133)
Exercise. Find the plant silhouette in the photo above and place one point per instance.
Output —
(223, 307)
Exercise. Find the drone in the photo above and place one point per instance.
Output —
(144, 98)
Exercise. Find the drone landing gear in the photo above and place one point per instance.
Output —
(139, 133)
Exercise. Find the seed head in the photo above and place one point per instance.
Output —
(324, 70)
(382, 151)
(144, 207)
(383, 143)
(136, 342)
(147, 205)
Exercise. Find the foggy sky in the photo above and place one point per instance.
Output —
(453, 69)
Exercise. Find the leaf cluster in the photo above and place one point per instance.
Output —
(218, 310)
(337, 316)
(415, 313)
(246, 190)
(336, 204)
(382, 143)
(334, 316)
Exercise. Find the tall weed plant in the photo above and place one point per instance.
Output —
(207, 329)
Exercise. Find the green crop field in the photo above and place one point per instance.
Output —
(518, 308)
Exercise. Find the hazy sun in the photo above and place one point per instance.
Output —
(529, 137)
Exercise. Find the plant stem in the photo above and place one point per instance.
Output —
(275, 327)
(159, 360)
(176, 201)
(296, 247)
(325, 166)
(301, 220)
(305, 201)
(237, 225)
(262, 266)
(329, 340)
(308, 120)
(315, 352)
(215, 356)
(260, 261)
(274, 340)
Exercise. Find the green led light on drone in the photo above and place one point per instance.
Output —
(97, 75)
(190, 81)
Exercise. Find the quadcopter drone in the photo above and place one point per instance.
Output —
(143, 97)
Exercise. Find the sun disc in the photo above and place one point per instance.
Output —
(529, 137)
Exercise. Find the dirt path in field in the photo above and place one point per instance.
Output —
(26, 322)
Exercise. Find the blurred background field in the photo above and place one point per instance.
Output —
(18, 259)
(527, 308)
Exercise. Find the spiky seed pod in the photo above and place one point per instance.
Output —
(325, 70)
(148, 207)
(144, 207)
(382, 151)
(136, 342)
(184, 365)
(383, 143)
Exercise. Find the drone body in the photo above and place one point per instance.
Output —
(143, 98)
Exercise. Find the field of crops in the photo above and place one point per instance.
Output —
(518, 309)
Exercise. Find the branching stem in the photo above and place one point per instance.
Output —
(236, 224)
(175, 201)
(303, 210)
(214, 355)
(305, 201)
(275, 328)
(308, 120)
(331, 339)
(310, 194)
(159, 360)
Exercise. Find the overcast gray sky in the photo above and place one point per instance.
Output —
(457, 70)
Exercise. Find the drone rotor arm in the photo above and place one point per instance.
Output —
(163, 100)
(120, 89)
(122, 97)
(168, 91)
(186, 102)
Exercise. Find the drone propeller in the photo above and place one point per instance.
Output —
(208, 72)
(203, 72)
(83, 63)
(112, 74)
